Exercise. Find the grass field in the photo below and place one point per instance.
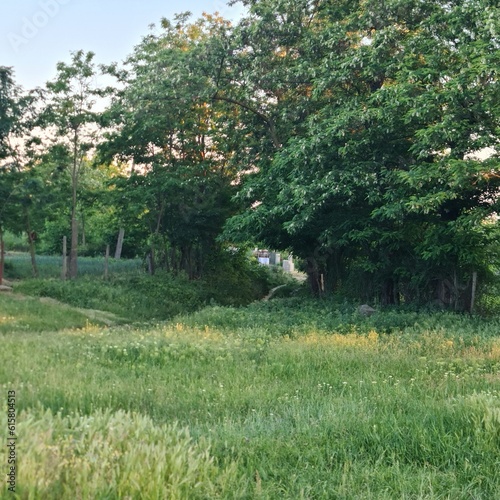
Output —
(18, 266)
(286, 399)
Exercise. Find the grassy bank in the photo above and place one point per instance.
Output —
(131, 293)
(270, 401)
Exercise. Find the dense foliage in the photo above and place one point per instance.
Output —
(383, 188)
(363, 138)
(133, 295)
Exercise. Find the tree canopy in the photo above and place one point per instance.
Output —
(383, 185)
(363, 137)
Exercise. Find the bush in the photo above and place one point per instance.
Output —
(134, 296)
(231, 279)
(488, 303)
(15, 242)
(234, 279)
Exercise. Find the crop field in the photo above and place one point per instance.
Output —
(285, 399)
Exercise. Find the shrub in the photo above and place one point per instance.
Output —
(15, 242)
(234, 279)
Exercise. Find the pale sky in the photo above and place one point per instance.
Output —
(36, 34)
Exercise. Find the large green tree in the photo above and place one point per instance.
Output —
(8, 119)
(380, 184)
(70, 120)
(178, 140)
(21, 190)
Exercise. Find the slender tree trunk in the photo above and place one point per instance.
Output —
(173, 258)
(31, 241)
(152, 263)
(313, 276)
(73, 253)
(106, 263)
(34, 267)
(455, 290)
(183, 264)
(333, 270)
(167, 258)
(84, 242)
(473, 292)
(119, 244)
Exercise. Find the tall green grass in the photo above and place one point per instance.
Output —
(115, 455)
(281, 401)
(18, 266)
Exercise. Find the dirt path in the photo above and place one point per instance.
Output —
(108, 318)
(271, 293)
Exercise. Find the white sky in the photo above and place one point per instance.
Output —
(36, 34)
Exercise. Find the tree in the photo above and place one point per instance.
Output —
(178, 140)
(69, 114)
(17, 185)
(10, 115)
(379, 185)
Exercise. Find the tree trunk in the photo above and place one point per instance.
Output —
(84, 242)
(31, 241)
(73, 253)
(333, 270)
(313, 276)
(184, 258)
(119, 244)
(455, 293)
(473, 292)
(152, 263)
(34, 268)
(389, 293)
(173, 259)
(106, 263)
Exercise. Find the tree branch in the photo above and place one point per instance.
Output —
(270, 124)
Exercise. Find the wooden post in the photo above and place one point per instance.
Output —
(31, 239)
(119, 243)
(473, 291)
(64, 271)
(106, 264)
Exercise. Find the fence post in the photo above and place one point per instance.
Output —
(106, 264)
(473, 291)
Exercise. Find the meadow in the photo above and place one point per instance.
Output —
(291, 398)
(18, 265)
